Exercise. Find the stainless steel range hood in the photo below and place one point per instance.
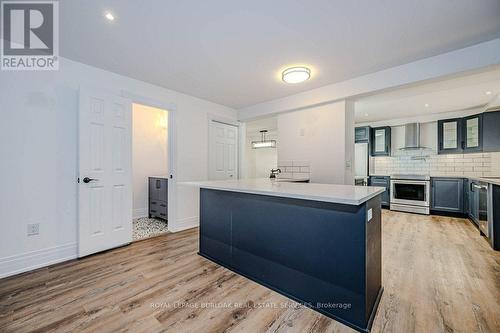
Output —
(412, 137)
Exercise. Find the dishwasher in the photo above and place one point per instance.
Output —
(479, 206)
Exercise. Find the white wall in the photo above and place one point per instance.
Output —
(149, 152)
(259, 162)
(38, 148)
(319, 136)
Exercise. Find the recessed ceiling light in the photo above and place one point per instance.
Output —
(426, 105)
(296, 74)
(109, 16)
(488, 92)
(366, 114)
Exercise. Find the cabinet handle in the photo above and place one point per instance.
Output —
(153, 211)
(163, 205)
(158, 183)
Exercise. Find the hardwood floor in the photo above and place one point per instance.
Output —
(439, 276)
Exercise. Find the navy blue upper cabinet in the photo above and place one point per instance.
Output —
(381, 141)
(450, 136)
(472, 130)
(491, 131)
(362, 134)
(463, 135)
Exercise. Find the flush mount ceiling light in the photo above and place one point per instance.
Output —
(296, 74)
(109, 16)
(263, 143)
(488, 92)
(426, 105)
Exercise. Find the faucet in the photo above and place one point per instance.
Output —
(274, 172)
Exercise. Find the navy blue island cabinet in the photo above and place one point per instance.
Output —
(324, 255)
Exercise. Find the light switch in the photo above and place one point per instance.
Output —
(369, 215)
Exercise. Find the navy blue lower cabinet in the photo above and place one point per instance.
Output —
(447, 194)
(382, 181)
(323, 255)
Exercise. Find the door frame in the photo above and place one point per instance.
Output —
(227, 121)
(171, 109)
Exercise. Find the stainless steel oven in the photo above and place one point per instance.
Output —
(410, 193)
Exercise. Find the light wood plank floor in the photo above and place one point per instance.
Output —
(439, 276)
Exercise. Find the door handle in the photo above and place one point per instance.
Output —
(87, 180)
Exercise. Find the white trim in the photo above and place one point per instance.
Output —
(140, 212)
(139, 99)
(24, 262)
(185, 223)
(223, 120)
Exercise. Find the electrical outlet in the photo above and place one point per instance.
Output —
(33, 229)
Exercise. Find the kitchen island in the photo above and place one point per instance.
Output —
(317, 244)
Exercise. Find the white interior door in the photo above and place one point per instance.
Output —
(105, 177)
(223, 151)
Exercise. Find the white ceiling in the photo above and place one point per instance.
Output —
(231, 52)
(452, 94)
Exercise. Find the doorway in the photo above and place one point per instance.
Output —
(150, 154)
(223, 151)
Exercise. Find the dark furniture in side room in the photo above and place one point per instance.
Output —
(381, 141)
(491, 131)
(447, 194)
(158, 197)
(382, 181)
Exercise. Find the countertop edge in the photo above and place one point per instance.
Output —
(379, 191)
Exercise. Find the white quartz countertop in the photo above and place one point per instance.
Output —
(342, 194)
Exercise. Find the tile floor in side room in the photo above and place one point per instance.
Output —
(146, 227)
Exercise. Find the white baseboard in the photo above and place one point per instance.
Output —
(185, 223)
(32, 260)
(139, 212)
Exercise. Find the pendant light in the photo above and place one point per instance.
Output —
(263, 143)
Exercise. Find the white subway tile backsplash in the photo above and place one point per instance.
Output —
(428, 162)
(294, 169)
